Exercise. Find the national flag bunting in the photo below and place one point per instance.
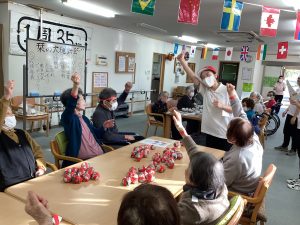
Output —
(204, 52)
(215, 54)
(232, 12)
(261, 52)
(176, 45)
(228, 53)
(192, 51)
(188, 11)
(244, 53)
(297, 31)
(143, 6)
(282, 51)
(269, 21)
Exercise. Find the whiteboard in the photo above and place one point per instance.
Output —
(51, 65)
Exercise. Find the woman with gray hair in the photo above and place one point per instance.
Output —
(259, 106)
(204, 199)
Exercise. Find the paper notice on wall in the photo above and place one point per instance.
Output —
(247, 74)
(100, 80)
(131, 64)
(122, 63)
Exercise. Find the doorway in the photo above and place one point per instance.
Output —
(157, 78)
(228, 72)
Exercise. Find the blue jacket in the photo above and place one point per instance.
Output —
(73, 130)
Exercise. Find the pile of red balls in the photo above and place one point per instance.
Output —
(158, 164)
(141, 151)
(84, 173)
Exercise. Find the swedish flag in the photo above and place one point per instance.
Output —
(232, 12)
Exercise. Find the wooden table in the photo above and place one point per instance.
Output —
(12, 212)
(168, 120)
(98, 202)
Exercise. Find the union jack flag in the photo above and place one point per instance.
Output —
(244, 53)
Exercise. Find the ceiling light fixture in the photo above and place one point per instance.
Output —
(90, 8)
(188, 39)
(293, 3)
(150, 27)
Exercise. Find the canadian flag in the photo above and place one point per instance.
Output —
(228, 53)
(269, 21)
(282, 50)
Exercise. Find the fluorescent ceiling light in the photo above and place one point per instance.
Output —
(293, 3)
(188, 39)
(213, 46)
(89, 7)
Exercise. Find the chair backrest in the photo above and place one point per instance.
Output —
(266, 180)
(62, 142)
(18, 100)
(234, 213)
(148, 108)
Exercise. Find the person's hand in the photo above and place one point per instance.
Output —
(129, 137)
(39, 172)
(293, 101)
(109, 123)
(218, 104)
(293, 120)
(231, 90)
(9, 89)
(128, 86)
(177, 119)
(180, 57)
(76, 79)
(284, 113)
(37, 207)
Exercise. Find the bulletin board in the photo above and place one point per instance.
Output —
(125, 62)
(100, 81)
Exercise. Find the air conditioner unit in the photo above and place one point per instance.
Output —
(240, 36)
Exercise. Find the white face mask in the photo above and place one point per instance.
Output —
(192, 94)
(209, 81)
(245, 109)
(114, 106)
(10, 122)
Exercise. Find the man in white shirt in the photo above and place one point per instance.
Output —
(217, 111)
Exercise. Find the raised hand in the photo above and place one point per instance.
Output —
(177, 119)
(128, 86)
(231, 89)
(180, 57)
(76, 79)
(9, 89)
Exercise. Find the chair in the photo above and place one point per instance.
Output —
(51, 166)
(235, 211)
(255, 205)
(58, 148)
(151, 121)
(262, 126)
(42, 112)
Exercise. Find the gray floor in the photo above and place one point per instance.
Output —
(282, 204)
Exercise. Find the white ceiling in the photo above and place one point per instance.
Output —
(165, 17)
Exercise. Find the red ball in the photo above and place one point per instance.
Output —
(86, 177)
(134, 179)
(179, 155)
(126, 181)
(95, 176)
(152, 147)
(149, 177)
(161, 168)
(77, 179)
(141, 178)
(84, 165)
(67, 178)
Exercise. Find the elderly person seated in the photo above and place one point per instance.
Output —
(21, 158)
